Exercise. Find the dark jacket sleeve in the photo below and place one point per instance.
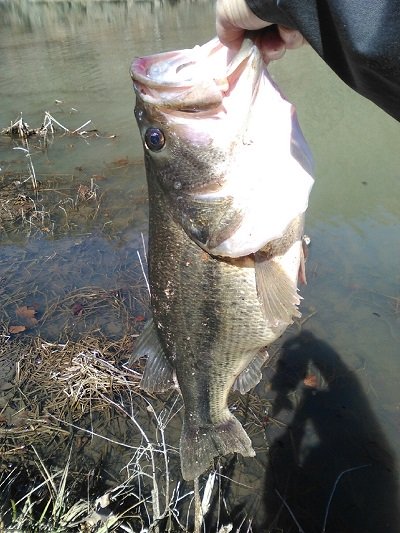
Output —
(358, 39)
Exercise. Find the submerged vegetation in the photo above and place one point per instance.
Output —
(72, 411)
(53, 204)
(82, 448)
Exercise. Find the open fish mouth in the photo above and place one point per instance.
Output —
(190, 80)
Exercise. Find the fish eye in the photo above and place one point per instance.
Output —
(154, 139)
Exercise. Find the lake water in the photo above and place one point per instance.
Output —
(72, 59)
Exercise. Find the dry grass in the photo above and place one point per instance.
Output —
(49, 127)
(64, 398)
(61, 382)
(57, 389)
(56, 211)
(32, 202)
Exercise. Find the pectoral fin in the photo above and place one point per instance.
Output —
(158, 373)
(251, 375)
(276, 291)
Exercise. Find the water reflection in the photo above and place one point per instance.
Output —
(41, 13)
(332, 429)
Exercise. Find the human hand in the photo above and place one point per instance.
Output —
(234, 17)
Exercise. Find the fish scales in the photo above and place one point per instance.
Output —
(222, 288)
(211, 325)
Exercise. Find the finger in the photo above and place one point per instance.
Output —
(292, 38)
(271, 44)
(272, 54)
(229, 35)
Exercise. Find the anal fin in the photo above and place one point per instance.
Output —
(251, 375)
(276, 291)
(158, 373)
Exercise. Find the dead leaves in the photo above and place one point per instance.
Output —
(77, 309)
(27, 315)
(16, 329)
(123, 162)
(26, 319)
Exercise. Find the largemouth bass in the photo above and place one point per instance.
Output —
(229, 176)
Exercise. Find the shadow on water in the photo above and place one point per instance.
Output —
(328, 467)
(331, 429)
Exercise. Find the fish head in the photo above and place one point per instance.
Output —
(222, 144)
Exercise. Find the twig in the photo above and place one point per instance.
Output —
(144, 245)
(143, 271)
(92, 433)
(80, 127)
(31, 168)
(198, 513)
(301, 530)
(205, 502)
(334, 489)
(58, 123)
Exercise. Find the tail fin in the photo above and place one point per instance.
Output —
(199, 445)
